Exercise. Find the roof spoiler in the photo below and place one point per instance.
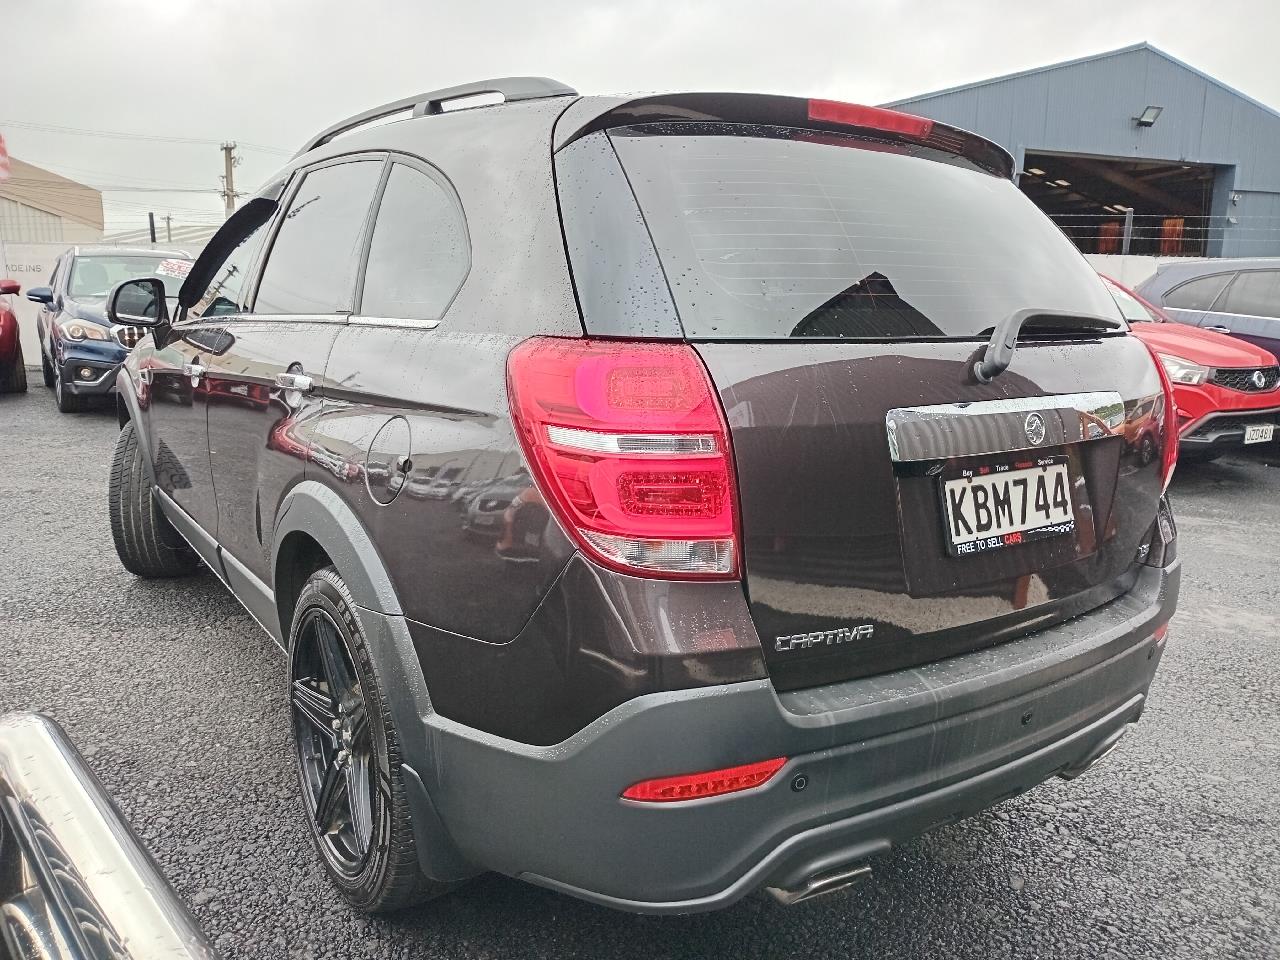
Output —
(426, 104)
(800, 112)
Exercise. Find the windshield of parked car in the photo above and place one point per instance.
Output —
(1134, 310)
(92, 277)
(773, 232)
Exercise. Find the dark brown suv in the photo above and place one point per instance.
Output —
(657, 499)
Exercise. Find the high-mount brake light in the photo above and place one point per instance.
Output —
(871, 118)
(1171, 422)
(712, 783)
(629, 447)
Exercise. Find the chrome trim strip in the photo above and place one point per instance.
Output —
(393, 322)
(91, 888)
(945, 430)
(639, 444)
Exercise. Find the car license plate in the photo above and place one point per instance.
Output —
(486, 519)
(1259, 433)
(1003, 505)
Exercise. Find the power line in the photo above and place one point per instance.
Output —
(122, 135)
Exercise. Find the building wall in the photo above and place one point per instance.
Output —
(36, 188)
(31, 264)
(1087, 107)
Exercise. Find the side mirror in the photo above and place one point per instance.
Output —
(40, 295)
(9, 286)
(138, 303)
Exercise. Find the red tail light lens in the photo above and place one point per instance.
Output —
(713, 783)
(872, 118)
(629, 447)
(1171, 422)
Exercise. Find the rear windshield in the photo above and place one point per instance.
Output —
(772, 232)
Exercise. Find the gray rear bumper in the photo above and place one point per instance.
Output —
(884, 758)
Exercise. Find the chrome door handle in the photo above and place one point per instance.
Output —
(294, 381)
(1217, 329)
(193, 370)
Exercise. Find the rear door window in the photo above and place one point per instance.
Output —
(419, 253)
(772, 233)
(1255, 293)
(311, 268)
(1197, 294)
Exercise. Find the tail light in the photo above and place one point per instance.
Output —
(713, 783)
(629, 446)
(1171, 424)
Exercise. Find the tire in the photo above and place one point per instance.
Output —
(14, 380)
(376, 867)
(147, 544)
(46, 370)
(67, 402)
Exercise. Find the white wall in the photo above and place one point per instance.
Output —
(1128, 270)
(30, 264)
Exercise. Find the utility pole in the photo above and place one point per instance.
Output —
(229, 161)
(168, 228)
(151, 221)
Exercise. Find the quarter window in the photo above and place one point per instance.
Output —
(311, 268)
(419, 253)
(1197, 294)
(1255, 293)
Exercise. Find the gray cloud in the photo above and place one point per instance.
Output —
(273, 71)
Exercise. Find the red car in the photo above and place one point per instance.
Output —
(13, 373)
(1225, 388)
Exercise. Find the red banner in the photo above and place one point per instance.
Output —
(4, 160)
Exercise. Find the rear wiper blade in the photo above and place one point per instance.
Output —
(1004, 338)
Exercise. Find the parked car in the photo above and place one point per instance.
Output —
(844, 535)
(1236, 297)
(1227, 390)
(487, 506)
(80, 351)
(75, 881)
(13, 371)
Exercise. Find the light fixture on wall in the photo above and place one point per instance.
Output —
(1148, 117)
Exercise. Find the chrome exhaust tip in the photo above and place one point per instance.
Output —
(821, 885)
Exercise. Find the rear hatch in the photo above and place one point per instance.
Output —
(839, 287)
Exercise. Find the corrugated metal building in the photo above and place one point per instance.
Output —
(38, 206)
(1133, 151)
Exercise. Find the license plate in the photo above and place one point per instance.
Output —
(486, 519)
(1004, 505)
(1259, 433)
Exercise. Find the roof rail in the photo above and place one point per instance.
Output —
(432, 102)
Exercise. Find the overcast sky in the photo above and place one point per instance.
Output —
(272, 72)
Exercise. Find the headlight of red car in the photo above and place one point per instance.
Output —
(77, 330)
(1183, 371)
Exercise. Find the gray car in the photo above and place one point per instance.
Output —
(1239, 297)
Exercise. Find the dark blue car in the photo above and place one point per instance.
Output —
(80, 351)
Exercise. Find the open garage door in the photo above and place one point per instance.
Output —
(1110, 205)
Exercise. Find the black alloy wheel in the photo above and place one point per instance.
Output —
(335, 743)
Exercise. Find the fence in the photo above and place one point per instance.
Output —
(1159, 235)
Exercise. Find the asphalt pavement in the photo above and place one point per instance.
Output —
(1171, 848)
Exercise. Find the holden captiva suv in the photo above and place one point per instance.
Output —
(659, 499)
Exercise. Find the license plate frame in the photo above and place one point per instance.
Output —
(1259, 432)
(984, 474)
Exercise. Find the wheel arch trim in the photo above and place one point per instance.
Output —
(319, 513)
(128, 409)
